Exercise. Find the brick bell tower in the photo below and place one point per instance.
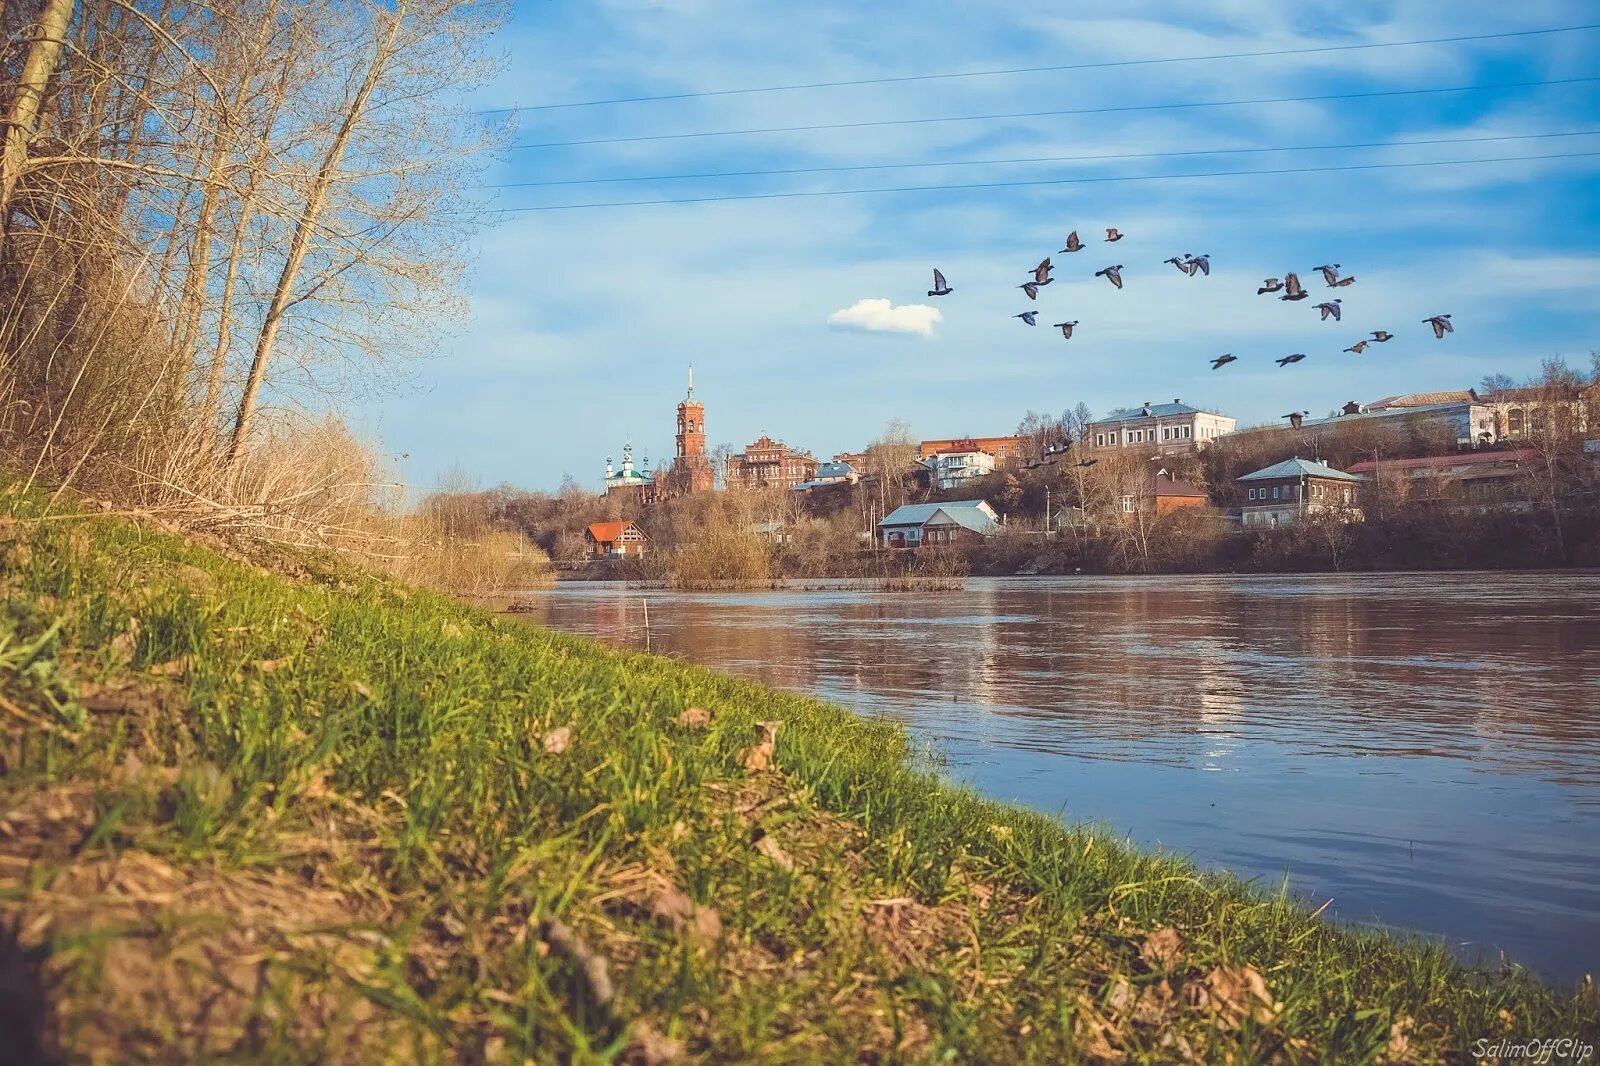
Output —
(691, 470)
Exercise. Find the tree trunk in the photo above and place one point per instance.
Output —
(40, 64)
(304, 228)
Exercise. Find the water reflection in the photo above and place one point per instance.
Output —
(1425, 749)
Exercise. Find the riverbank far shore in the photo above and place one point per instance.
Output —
(278, 808)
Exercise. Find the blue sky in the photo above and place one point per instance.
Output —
(583, 322)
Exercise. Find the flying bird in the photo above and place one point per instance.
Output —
(1286, 360)
(1086, 462)
(939, 286)
(1066, 329)
(1295, 418)
(1179, 263)
(1292, 289)
(1112, 235)
(1201, 263)
(1441, 325)
(1223, 360)
(1342, 282)
(1028, 317)
(1031, 288)
(1270, 285)
(1381, 335)
(1358, 347)
(1073, 244)
(1112, 274)
(1041, 273)
(1330, 273)
(1330, 309)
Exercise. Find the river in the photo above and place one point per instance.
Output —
(1422, 749)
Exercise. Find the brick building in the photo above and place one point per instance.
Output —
(1007, 451)
(767, 462)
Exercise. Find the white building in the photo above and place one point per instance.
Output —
(949, 469)
(1158, 427)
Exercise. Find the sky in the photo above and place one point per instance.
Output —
(807, 318)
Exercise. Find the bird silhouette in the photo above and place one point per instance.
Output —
(1270, 285)
(1382, 335)
(1112, 235)
(1112, 274)
(1358, 347)
(1201, 263)
(1330, 273)
(1286, 360)
(1066, 329)
(1028, 317)
(1292, 289)
(1041, 273)
(1330, 309)
(1031, 288)
(1073, 244)
(1086, 462)
(1342, 282)
(1295, 418)
(1441, 325)
(1223, 360)
(939, 286)
(1177, 262)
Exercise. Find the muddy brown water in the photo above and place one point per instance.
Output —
(1422, 749)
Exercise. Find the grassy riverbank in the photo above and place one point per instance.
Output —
(279, 809)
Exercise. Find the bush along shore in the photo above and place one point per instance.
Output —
(283, 810)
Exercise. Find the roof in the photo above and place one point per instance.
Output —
(969, 514)
(1167, 485)
(834, 469)
(1157, 410)
(768, 527)
(1424, 399)
(611, 531)
(1457, 409)
(1437, 462)
(1298, 467)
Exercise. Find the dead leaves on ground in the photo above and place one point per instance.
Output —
(558, 740)
(673, 908)
(694, 718)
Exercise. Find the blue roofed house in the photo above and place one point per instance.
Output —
(831, 473)
(1159, 428)
(952, 522)
(1280, 494)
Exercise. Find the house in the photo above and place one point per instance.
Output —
(831, 473)
(1162, 428)
(1281, 493)
(766, 462)
(1007, 451)
(1466, 420)
(946, 470)
(1168, 494)
(607, 539)
(954, 522)
(773, 531)
(1518, 413)
(1476, 479)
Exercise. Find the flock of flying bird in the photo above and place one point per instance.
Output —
(1289, 286)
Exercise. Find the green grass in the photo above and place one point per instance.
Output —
(297, 812)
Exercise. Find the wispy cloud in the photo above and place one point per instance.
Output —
(877, 315)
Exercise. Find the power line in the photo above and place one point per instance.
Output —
(1050, 114)
(1038, 159)
(1049, 181)
(1049, 69)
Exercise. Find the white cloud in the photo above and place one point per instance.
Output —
(878, 315)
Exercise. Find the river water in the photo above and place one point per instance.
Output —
(1423, 749)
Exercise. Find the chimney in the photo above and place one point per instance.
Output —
(1176, 400)
(1146, 409)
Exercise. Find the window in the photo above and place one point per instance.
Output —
(1514, 422)
(1099, 439)
(1274, 492)
(1126, 503)
(1111, 438)
(1252, 494)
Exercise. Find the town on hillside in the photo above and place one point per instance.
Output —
(1159, 467)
